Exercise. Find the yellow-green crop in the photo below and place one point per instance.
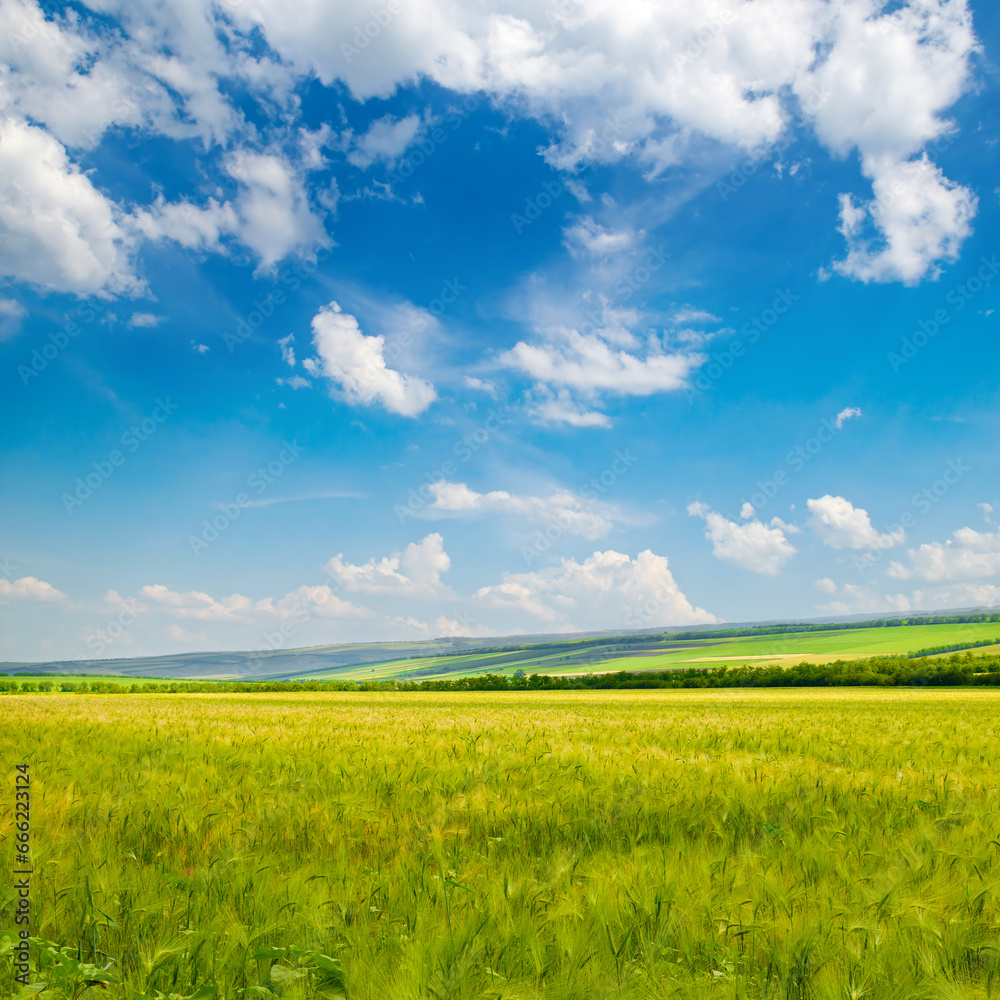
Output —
(832, 844)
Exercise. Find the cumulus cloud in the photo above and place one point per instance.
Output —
(628, 79)
(30, 588)
(355, 364)
(916, 220)
(611, 81)
(576, 368)
(967, 555)
(848, 413)
(275, 215)
(385, 141)
(57, 231)
(855, 598)
(826, 586)
(751, 545)
(414, 572)
(591, 363)
(239, 609)
(606, 590)
(566, 510)
(318, 600)
(838, 523)
(270, 213)
(196, 604)
(191, 226)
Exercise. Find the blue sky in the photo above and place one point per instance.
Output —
(522, 320)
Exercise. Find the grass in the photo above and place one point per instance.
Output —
(117, 679)
(575, 658)
(834, 844)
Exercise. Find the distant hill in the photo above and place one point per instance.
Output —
(346, 658)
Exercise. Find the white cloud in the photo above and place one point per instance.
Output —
(275, 215)
(11, 315)
(863, 599)
(142, 319)
(414, 572)
(287, 351)
(689, 314)
(563, 509)
(967, 555)
(591, 364)
(588, 238)
(29, 588)
(962, 595)
(198, 605)
(186, 224)
(271, 213)
(920, 218)
(611, 80)
(481, 384)
(319, 601)
(751, 545)
(57, 231)
(987, 509)
(838, 523)
(826, 586)
(606, 590)
(559, 407)
(444, 626)
(175, 633)
(632, 79)
(848, 413)
(239, 609)
(294, 382)
(385, 141)
(356, 365)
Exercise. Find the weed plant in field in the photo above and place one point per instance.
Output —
(559, 845)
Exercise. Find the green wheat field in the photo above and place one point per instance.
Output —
(836, 844)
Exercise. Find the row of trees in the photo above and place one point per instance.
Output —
(888, 671)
